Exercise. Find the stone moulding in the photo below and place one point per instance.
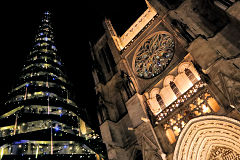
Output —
(203, 137)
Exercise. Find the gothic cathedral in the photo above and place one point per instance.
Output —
(169, 87)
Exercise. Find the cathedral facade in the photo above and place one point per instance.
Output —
(169, 87)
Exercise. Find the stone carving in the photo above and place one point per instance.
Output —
(154, 54)
(223, 153)
(200, 135)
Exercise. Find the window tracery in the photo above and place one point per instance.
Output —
(154, 55)
(173, 87)
(202, 104)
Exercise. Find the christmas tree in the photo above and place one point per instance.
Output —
(42, 119)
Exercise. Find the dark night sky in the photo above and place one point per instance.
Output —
(75, 23)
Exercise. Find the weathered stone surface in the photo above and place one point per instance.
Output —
(135, 110)
(234, 10)
(203, 53)
(214, 53)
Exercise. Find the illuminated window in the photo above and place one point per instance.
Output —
(160, 101)
(175, 89)
(170, 135)
(213, 104)
(190, 75)
(203, 104)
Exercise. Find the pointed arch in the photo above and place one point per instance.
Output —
(204, 136)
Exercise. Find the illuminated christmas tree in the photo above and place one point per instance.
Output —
(42, 119)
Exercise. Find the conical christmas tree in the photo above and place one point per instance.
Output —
(43, 121)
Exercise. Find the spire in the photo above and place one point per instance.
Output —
(109, 27)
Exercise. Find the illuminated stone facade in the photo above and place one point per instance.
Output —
(43, 120)
(169, 87)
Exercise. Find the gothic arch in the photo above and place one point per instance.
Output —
(167, 80)
(209, 137)
(153, 92)
(182, 67)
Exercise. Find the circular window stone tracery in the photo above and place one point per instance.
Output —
(153, 55)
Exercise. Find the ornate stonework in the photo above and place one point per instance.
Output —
(137, 26)
(203, 134)
(223, 153)
(154, 54)
(177, 71)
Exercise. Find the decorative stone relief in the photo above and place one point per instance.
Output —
(201, 135)
(223, 153)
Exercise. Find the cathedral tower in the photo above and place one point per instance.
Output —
(169, 87)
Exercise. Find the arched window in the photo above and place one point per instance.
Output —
(170, 135)
(160, 101)
(190, 75)
(175, 89)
